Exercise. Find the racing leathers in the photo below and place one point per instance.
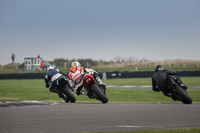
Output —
(159, 81)
(76, 74)
(52, 78)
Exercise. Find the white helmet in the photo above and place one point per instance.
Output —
(76, 63)
(50, 67)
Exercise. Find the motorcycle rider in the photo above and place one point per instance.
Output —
(52, 78)
(159, 80)
(77, 72)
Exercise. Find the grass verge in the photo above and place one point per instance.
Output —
(189, 81)
(17, 90)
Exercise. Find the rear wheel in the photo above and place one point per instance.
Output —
(69, 94)
(102, 97)
(186, 99)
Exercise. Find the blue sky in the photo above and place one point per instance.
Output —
(100, 29)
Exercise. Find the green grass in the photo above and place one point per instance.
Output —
(189, 81)
(128, 81)
(144, 96)
(25, 90)
(35, 90)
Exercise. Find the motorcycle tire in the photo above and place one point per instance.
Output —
(186, 99)
(69, 94)
(63, 96)
(102, 97)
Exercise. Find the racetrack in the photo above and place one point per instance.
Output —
(80, 117)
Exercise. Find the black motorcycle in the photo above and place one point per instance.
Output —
(64, 91)
(178, 92)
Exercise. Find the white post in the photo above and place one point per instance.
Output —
(184, 64)
(65, 65)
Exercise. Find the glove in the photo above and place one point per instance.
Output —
(65, 74)
(89, 70)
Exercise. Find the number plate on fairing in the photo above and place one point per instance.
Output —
(87, 79)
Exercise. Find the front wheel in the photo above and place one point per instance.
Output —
(69, 94)
(102, 97)
(186, 99)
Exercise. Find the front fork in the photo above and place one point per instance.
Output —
(171, 83)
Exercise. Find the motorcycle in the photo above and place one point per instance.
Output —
(93, 89)
(177, 92)
(64, 91)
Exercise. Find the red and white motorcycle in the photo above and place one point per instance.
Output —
(93, 89)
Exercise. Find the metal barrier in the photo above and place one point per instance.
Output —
(107, 75)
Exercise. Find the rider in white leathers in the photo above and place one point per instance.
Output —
(77, 73)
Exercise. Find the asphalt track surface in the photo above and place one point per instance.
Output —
(41, 117)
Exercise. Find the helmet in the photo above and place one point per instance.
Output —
(50, 67)
(76, 63)
(159, 68)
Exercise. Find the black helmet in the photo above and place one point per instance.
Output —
(159, 68)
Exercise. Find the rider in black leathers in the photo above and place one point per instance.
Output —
(159, 80)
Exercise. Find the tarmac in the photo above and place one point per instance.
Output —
(51, 117)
